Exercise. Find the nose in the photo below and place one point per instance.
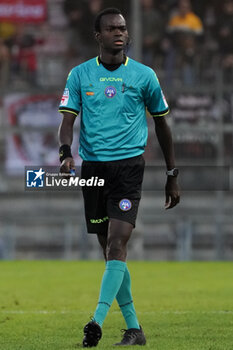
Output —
(118, 31)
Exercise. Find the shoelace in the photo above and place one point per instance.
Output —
(128, 334)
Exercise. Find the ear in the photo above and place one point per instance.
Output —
(97, 37)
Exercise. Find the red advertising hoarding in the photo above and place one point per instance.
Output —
(23, 11)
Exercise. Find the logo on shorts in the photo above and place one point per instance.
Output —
(110, 91)
(125, 204)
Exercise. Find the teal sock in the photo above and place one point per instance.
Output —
(125, 301)
(111, 282)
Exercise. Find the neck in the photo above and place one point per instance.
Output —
(111, 58)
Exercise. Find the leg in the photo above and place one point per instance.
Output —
(103, 242)
(122, 213)
(115, 251)
(115, 244)
(125, 301)
(118, 236)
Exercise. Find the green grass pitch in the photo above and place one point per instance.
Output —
(181, 306)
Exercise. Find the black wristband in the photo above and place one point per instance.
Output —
(64, 152)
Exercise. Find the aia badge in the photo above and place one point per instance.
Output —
(125, 204)
(110, 91)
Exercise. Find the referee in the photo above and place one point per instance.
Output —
(110, 93)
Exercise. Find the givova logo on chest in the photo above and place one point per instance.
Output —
(110, 79)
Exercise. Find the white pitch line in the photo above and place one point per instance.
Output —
(164, 312)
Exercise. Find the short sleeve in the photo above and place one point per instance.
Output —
(154, 98)
(71, 101)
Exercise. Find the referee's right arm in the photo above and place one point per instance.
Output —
(65, 137)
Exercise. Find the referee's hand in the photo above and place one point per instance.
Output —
(172, 192)
(66, 166)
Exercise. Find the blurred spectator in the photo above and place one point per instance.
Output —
(4, 64)
(153, 26)
(87, 27)
(185, 20)
(184, 28)
(225, 40)
(24, 61)
(7, 32)
(81, 15)
(74, 11)
(209, 57)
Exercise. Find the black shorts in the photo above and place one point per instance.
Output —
(119, 197)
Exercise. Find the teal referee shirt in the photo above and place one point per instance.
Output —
(112, 106)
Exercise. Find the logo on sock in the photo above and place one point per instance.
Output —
(125, 204)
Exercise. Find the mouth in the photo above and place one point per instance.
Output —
(118, 42)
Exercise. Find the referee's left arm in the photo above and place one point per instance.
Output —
(164, 136)
(157, 106)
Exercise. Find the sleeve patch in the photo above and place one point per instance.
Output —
(164, 100)
(65, 97)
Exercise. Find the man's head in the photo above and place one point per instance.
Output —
(228, 7)
(184, 7)
(110, 30)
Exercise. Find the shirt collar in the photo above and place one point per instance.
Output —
(125, 61)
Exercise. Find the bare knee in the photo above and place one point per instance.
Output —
(118, 236)
(103, 242)
(116, 249)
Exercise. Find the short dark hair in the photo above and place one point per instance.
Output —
(108, 11)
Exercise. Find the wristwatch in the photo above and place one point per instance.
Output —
(173, 172)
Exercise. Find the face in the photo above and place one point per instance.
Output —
(113, 35)
(147, 4)
(228, 7)
(184, 7)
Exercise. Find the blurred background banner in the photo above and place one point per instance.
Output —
(32, 120)
(189, 45)
(23, 11)
(36, 115)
